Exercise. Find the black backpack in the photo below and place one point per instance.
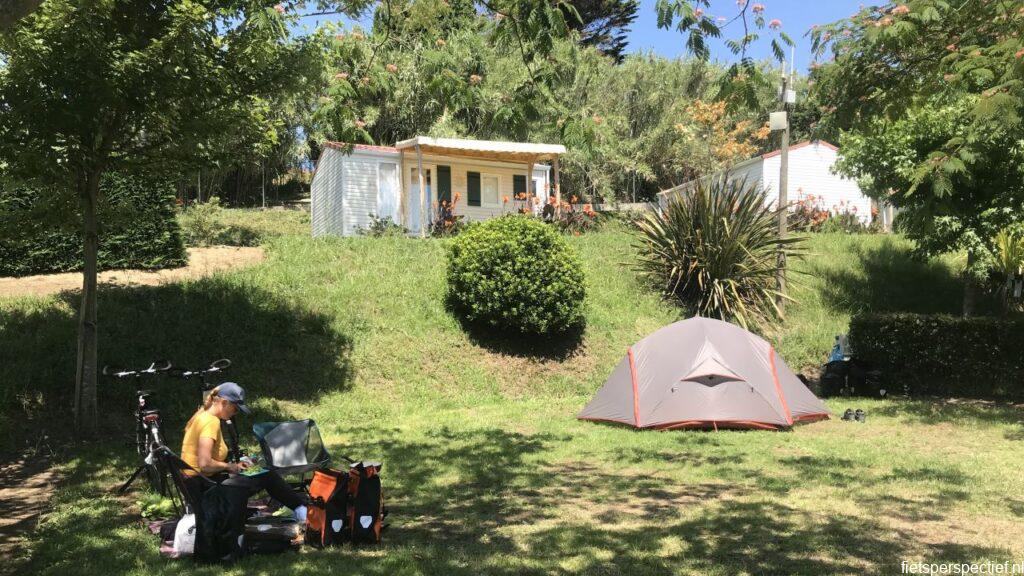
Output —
(366, 503)
(220, 524)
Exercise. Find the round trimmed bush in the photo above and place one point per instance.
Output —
(518, 274)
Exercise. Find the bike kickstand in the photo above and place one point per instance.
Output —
(124, 487)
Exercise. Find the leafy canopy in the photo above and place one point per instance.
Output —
(104, 84)
(929, 96)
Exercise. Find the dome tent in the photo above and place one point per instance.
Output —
(703, 373)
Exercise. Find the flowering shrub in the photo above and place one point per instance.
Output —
(570, 217)
(811, 215)
(516, 274)
(447, 222)
(575, 218)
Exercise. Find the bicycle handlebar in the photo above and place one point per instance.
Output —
(215, 366)
(154, 367)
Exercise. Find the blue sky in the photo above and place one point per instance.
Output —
(797, 17)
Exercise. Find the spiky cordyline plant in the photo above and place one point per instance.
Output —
(715, 248)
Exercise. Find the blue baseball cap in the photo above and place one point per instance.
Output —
(235, 394)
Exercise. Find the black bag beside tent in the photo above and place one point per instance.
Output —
(851, 377)
(833, 380)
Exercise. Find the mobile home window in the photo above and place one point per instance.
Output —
(473, 188)
(444, 183)
(489, 189)
(518, 185)
(387, 190)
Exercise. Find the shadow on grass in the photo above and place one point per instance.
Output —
(953, 411)
(559, 346)
(279, 352)
(891, 278)
(486, 501)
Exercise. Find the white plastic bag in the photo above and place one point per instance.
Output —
(185, 536)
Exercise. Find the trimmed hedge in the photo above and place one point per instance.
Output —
(943, 355)
(138, 229)
(516, 274)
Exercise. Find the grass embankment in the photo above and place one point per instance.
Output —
(486, 468)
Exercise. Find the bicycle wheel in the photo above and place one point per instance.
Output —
(155, 478)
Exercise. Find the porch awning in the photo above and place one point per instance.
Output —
(489, 149)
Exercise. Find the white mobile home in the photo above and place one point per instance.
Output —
(810, 179)
(353, 183)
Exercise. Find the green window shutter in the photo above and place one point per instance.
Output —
(518, 185)
(473, 188)
(444, 183)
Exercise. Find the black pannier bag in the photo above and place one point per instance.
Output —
(366, 506)
(328, 508)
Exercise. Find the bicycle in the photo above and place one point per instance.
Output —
(148, 435)
(227, 426)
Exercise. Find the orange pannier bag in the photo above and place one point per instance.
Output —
(328, 507)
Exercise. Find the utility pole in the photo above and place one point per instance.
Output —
(263, 184)
(788, 97)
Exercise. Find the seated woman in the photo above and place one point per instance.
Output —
(203, 449)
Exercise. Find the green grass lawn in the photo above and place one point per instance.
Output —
(486, 469)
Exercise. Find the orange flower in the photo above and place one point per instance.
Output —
(504, 199)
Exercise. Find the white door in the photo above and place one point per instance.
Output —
(418, 204)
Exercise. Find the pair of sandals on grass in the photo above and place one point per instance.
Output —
(857, 415)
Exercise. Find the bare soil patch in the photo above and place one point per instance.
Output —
(25, 491)
(201, 262)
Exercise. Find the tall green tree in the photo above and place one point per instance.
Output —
(604, 24)
(13, 10)
(931, 96)
(94, 86)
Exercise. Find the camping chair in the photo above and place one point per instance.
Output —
(293, 447)
(176, 468)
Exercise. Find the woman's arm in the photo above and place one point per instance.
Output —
(207, 465)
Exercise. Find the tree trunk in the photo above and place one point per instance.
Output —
(85, 372)
(970, 286)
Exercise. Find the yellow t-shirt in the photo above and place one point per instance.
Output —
(202, 425)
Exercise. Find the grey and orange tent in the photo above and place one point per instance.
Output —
(704, 373)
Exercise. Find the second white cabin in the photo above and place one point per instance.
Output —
(811, 180)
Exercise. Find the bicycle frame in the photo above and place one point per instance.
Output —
(148, 438)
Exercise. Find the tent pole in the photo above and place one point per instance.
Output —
(423, 193)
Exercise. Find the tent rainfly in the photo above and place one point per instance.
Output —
(704, 373)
